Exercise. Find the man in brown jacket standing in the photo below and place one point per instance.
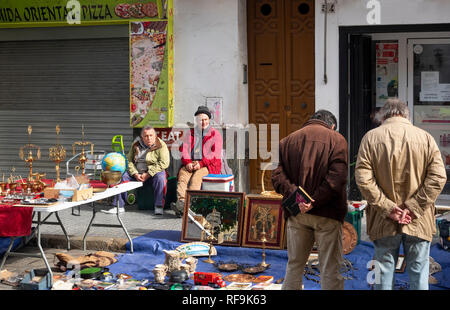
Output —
(314, 157)
(400, 173)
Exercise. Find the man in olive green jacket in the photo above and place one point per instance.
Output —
(400, 172)
(148, 159)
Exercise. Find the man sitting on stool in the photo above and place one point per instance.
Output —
(148, 159)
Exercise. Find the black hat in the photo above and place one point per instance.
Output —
(203, 110)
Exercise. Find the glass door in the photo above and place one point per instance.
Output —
(429, 93)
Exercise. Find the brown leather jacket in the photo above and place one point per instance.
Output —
(316, 158)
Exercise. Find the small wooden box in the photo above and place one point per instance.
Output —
(78, 195)
(51, 192)
(83, 194)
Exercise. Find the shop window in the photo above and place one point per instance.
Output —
(431, 94)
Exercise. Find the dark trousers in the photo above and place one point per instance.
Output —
(158, 182)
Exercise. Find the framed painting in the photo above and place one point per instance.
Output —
(213, 213)
(263, 218)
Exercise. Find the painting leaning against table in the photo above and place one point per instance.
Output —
(263, 218)
(213, 212)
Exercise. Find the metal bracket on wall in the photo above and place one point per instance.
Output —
(245, 74)
(331, 5)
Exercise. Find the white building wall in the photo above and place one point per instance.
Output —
(210, 46)
(354, 13)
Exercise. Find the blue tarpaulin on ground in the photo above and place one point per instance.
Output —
(4, 244)
(148, 252)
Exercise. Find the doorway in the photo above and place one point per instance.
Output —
(380, 62)
(281, 71)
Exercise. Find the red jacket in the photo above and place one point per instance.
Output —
(211, 150)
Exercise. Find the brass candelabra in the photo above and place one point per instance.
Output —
(57, 153)
(29, 149)
(82, 160)
(210, 238)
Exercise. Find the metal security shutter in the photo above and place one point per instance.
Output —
(65, 82)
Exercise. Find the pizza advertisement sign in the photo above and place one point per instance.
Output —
(34, 13)
(150, 37)
(150, 102)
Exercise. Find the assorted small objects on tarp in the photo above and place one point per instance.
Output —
(159, 251)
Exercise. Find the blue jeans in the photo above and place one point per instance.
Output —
(158, 181)
(417, 252)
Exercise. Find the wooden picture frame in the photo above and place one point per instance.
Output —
(257, 209)
(221, 209)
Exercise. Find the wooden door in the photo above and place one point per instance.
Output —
(281, 70)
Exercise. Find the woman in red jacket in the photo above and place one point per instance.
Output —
(200, 155)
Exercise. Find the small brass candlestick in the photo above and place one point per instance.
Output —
(12, 186)
(29, 149)
(263, 213)
(210, 238)
(263, 240)
(4, 188)
(82, 160)
(57, 153)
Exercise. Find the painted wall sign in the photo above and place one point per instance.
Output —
(171, 136)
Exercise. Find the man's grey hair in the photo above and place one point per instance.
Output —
(392, 107)
(147, 127)
(326, 116)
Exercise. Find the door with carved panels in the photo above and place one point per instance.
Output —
(281, 70)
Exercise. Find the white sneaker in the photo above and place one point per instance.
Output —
(113, 210)
(159, 210)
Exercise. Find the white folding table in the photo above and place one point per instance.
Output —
(54, 209)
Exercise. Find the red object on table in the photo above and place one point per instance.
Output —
(97, 184)
(15, 221)
(100, 184)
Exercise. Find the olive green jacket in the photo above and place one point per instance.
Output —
(397, 164)
(157, 158)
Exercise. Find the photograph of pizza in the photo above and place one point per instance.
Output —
(148, 42)
(121, 10)
(136, 10)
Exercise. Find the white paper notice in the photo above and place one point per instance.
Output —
(429, 81)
